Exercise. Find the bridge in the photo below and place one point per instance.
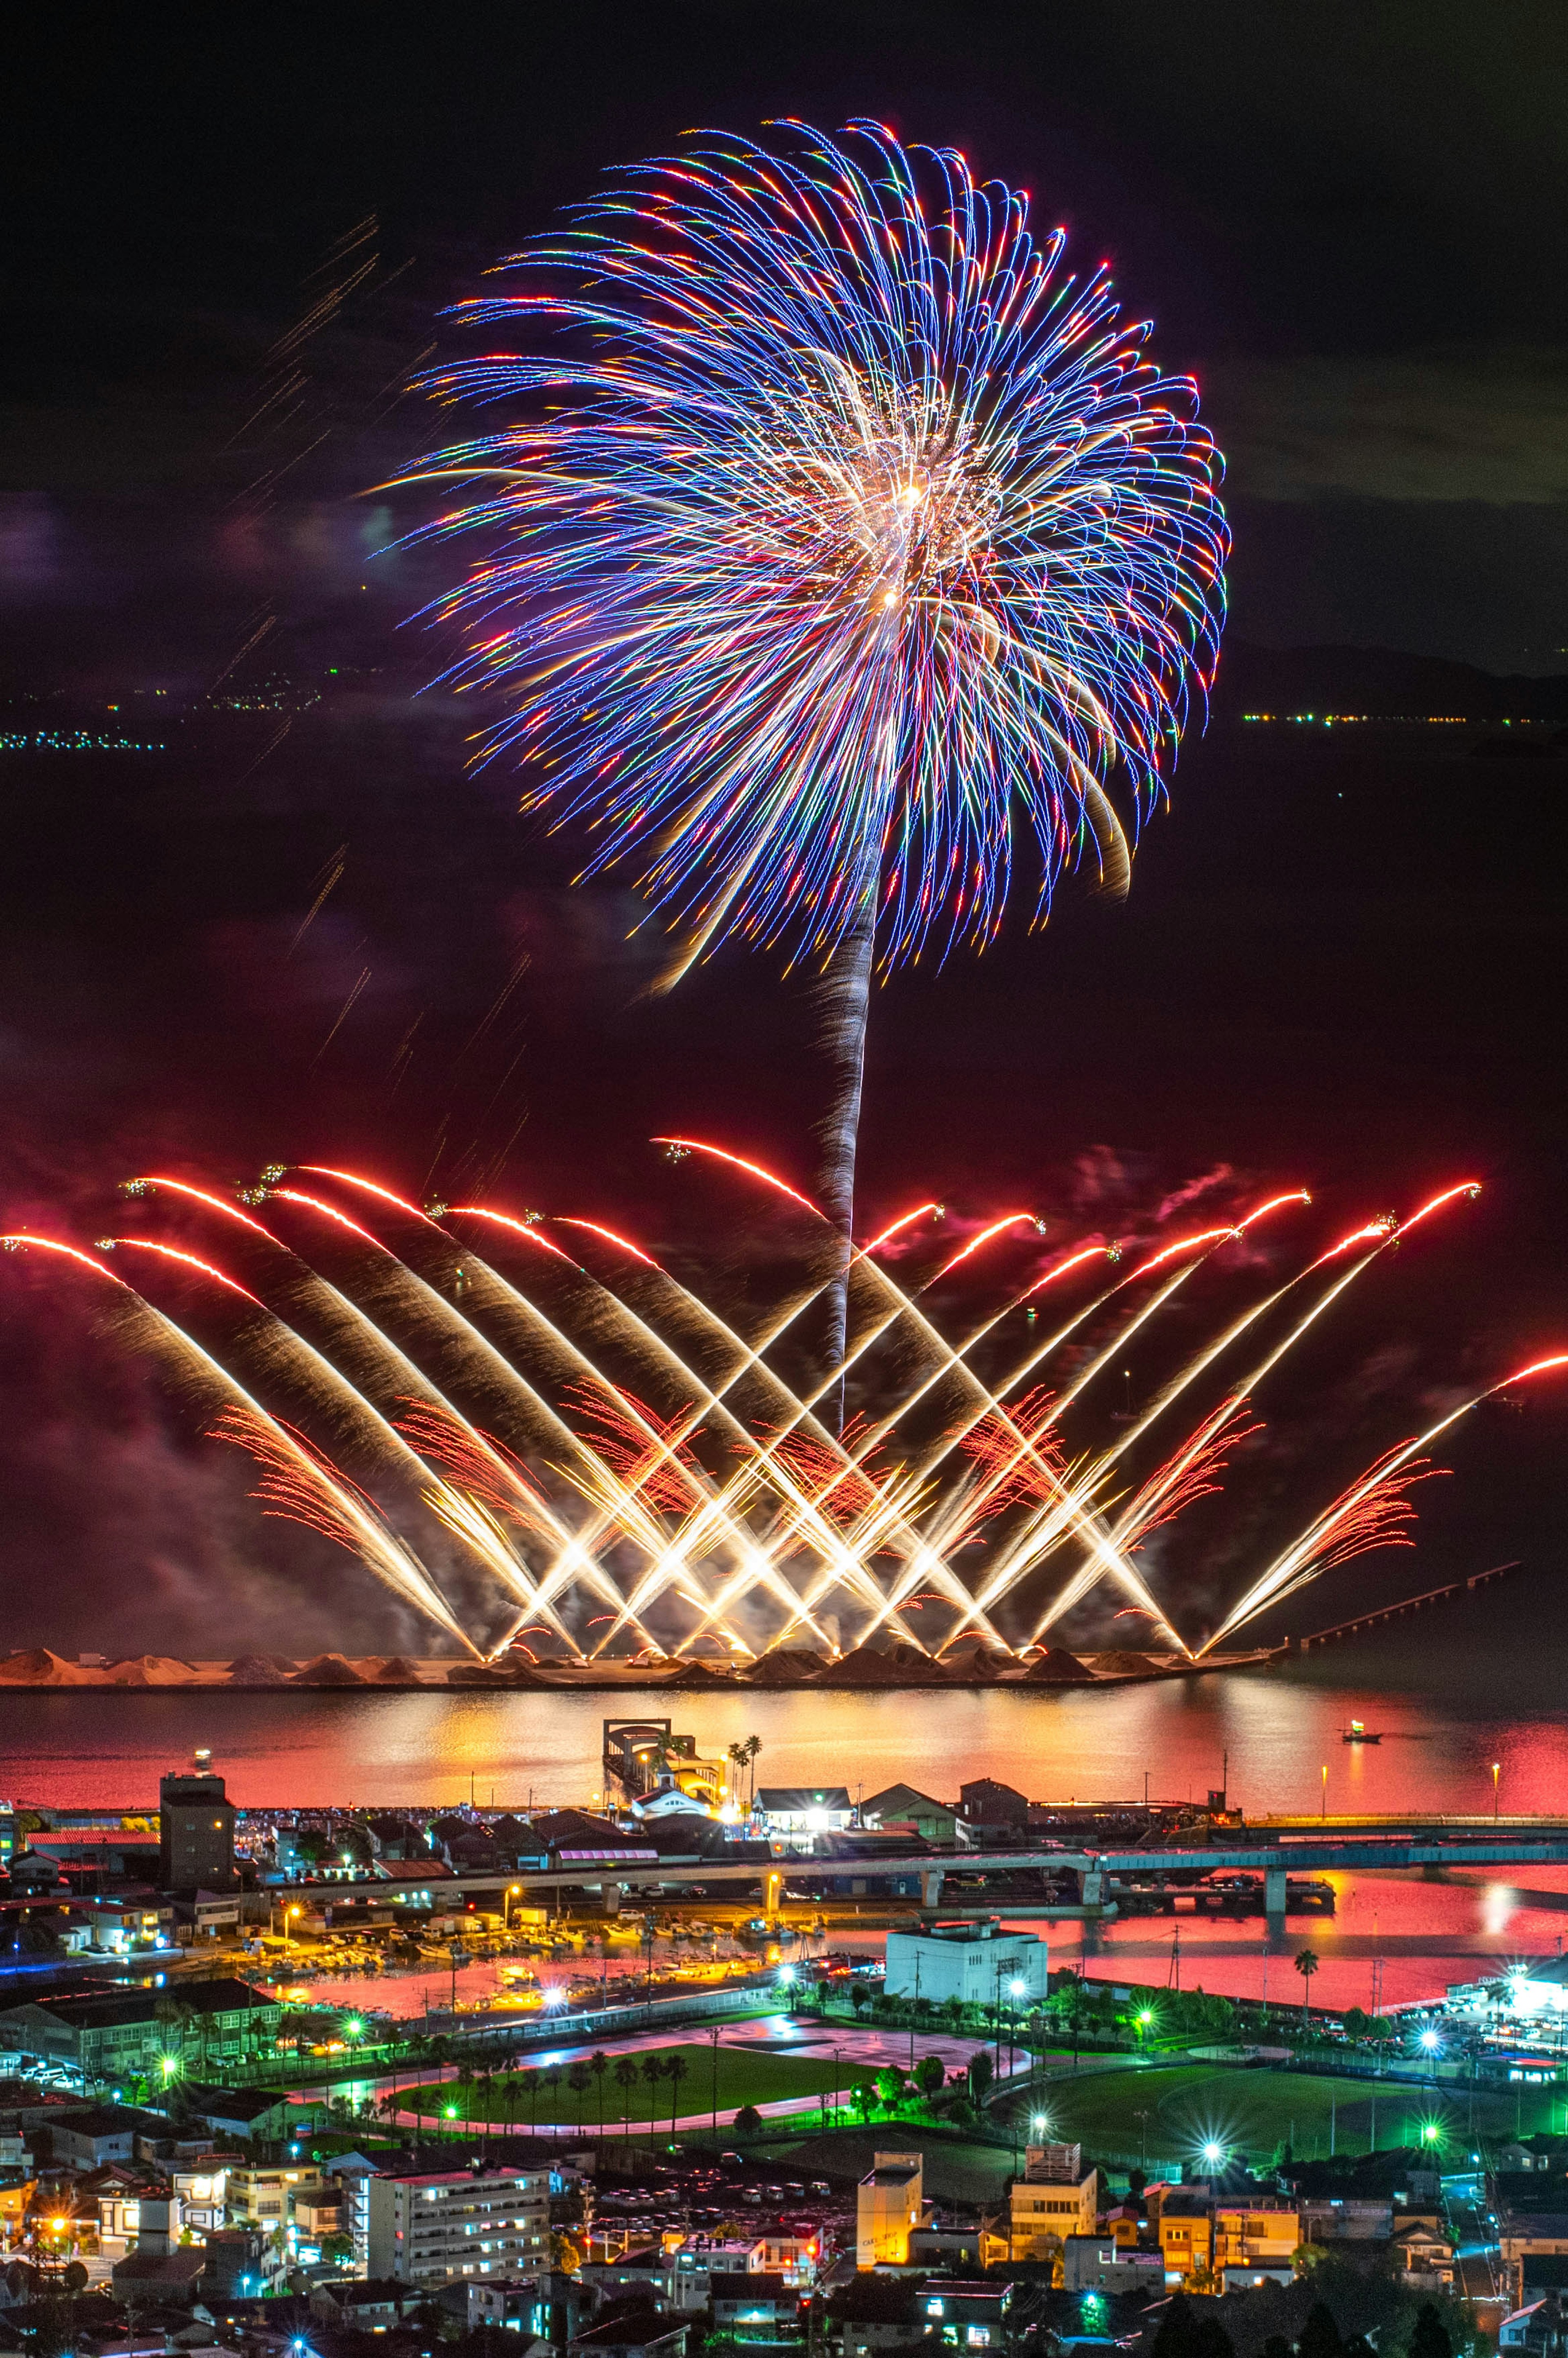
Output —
(1273, 1848)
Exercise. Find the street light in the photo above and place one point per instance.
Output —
(1496, 1772)
(512, 1891)
(1214, 2154)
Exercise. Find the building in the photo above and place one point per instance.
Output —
(236, 2112)
(87, 2135)
(265, 2196)
(757, 2306)
(873, 2313)
(971, 1958)
(966, 2316)
(1258, 2235)
(804, 1809)
(434, 2227)
(1528, 2234)
(985, 1802)
(1054, 2198)
(241, 2263)
(369, 2304)
(168, 2278)
(650, 2334)
(1426, 2255)
(1186, 2232)
(905, 1805)
(517, 2304)
(1331, 2220)
(196, 1833)
(1541, 2330)
(889, 2203)
(150, 2034)
(1099, 2263)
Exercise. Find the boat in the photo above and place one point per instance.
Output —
(1359, 1733)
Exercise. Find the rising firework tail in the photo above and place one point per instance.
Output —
(727, 1495)
(830, 531)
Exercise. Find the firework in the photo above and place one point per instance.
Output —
(631, 1488)
(830, 519)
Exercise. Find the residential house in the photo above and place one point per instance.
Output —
(1425, 2254)
(964, 2314)
(1523, 2235)
(758, 2306)
(985, 1802)
(647, 2334)
(873, 2313)
(906, 1805)
(1099, 2263)
(171, 2279)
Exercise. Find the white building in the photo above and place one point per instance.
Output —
(971, 1958)
(804, 1809)
(436, 2226)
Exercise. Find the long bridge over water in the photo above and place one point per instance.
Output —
(1274, 1847)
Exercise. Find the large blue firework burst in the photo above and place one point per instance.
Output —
(832, 524)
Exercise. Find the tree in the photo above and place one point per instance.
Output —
(1429, 2337)
(1319, 2336)
(579, 2079)
(891, 2085)
(931, 2075)
(748, 2122)
(1306, 1966)
(863, 2096)
(626, 2069)
(598, 2064)
(676, 2069)
(1183, 2334)
(980, 2074)
(860, 1997)
(652, 2073)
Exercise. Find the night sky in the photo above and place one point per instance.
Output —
(228, 243)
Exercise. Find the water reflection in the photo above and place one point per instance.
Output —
(1269, 1735)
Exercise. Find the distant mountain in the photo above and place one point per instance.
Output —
(1380, 682)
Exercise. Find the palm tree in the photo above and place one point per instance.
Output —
(626, 2080)
(753, 1745)
(1306, 1966)
(598, 2064)
(552, 2082)
(577, 2080)
(676, 2069)
(652, 2073)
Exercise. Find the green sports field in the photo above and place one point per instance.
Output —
(743, 2078)
(1171, 2111)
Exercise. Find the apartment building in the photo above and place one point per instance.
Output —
(1053, 2199)
(436, 2226)
(264, 2196)
(889, 2203)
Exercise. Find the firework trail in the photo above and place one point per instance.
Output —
(715, 1495)
(830, 516)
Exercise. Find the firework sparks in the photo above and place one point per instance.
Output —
(719, 1507)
